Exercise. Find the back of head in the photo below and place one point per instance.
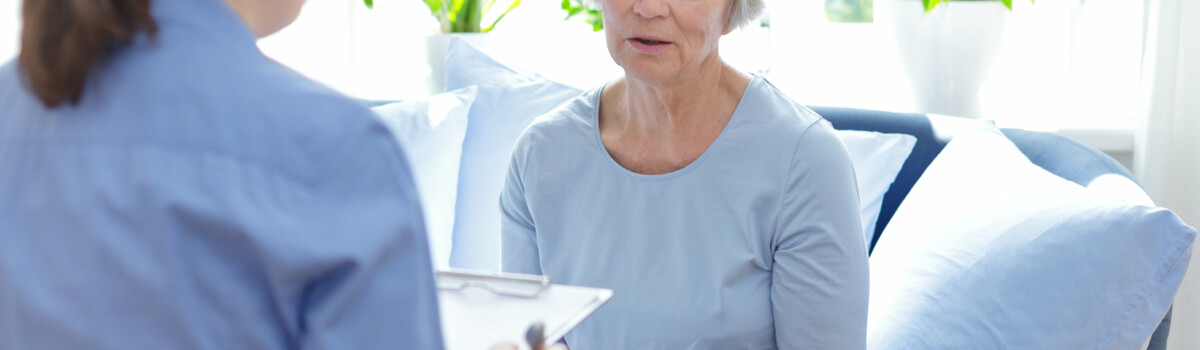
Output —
(63, 40)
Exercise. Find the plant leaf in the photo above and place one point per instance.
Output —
(592, 16)
(435, 6)
(1007, 3)
(474, 24)
(510, 8)
(488, 6)
(369, 3)
(596, 20)
(460, 15)
(456, 9)
(468, 17)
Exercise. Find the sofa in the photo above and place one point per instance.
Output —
(996, 238)
(1060, 155)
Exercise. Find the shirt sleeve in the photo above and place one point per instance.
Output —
(820, 272)
(368, 276)
(519, 251)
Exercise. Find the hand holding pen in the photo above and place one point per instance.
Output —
(535, 336)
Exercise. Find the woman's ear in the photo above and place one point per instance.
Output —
(728, 19)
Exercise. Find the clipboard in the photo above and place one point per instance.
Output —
(480, 309)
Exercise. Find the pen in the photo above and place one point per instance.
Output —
(536, 336)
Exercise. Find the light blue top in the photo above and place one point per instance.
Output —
(202, 196)
(755, 245)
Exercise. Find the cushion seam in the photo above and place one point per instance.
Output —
(1146, 297)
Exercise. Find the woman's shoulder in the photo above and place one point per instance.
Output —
(571, 121)
(773, 115)
(252, 108)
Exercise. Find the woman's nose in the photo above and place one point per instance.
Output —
(651, 8)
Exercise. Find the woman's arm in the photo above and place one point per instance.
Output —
(519, 250)
(819, 277)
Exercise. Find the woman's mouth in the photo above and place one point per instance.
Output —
(648, 45)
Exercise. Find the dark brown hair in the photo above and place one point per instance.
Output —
(62, 40)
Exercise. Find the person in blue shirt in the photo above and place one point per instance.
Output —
(722, 214)
(163, 185)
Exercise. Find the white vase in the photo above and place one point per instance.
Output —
(436, 46)
(948, 52)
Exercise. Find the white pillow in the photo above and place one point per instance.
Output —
(989, 251)
(431, 132)
(877, 158)
(507, 102)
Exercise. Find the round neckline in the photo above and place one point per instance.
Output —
(681, 171)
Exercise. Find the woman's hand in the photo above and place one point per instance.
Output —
(535, 336)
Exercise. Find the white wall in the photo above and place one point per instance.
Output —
(10, 28)
(380, 53)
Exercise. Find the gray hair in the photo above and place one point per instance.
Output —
(743, 11)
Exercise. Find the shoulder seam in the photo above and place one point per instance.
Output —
(786, 181)
(525, 163)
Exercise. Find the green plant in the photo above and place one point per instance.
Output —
(930, 4)
(850, 11)
(461, 16)
(579, 8)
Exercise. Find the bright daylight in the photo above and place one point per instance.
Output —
(599, 174)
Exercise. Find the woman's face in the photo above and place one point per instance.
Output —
(658, 40)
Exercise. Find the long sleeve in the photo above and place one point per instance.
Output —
(375, 287)
(519, 251)
(820, 272)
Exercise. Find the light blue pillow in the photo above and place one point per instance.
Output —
(431, 132)
(506, 103)
(877, 158)
(989, 251)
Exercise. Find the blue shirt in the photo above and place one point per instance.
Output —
(757, 244)
(202, 196)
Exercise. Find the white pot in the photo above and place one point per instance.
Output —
(949, 52)
(436, 46)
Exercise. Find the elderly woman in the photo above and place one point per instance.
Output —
(722, 214)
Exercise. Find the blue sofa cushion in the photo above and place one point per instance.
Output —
(1059, 155)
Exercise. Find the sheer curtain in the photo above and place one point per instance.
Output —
(1168, 153)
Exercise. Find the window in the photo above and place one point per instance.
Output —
(850, 11)
(1052, 65)
(10, 28)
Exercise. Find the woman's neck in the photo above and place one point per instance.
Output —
(706, 96)
(663, 127)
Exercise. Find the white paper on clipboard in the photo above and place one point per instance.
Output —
(481, 309)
